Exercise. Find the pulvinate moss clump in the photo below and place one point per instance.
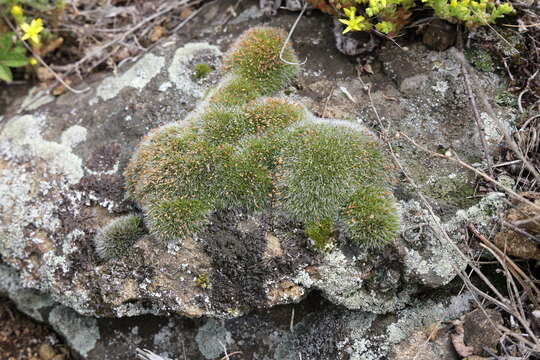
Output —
(115, 239)
(247, 148)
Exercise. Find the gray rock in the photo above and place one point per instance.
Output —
(81, 333)
(439, 35)
(213, 339)
(60, 181)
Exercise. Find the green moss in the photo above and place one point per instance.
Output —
(237, 91)
(370, 217)
(505, 98)
(456, 190)
(321, 166)
(203, 281)
(202, 71)
(220, 124)
(255, 56)
(170, 220)
(320, 233)
(244, 151)
(116, 239)
(270, 115)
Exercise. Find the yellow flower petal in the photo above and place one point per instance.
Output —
(350, 12)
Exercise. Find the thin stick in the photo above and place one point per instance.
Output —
(520, 231)
(225, 349)
(291, 325)
(289, 38)
(510, 141)
(476, 171)
(479, 122)
(231, 354)
(520, 275)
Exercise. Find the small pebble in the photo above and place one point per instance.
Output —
(46, 352)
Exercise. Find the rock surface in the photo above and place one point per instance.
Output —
(61, 181)
(514, 243)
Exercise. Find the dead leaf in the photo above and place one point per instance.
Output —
(458, 341)
(185, 13)
(156, 33)
(60, 89)
(44, 74)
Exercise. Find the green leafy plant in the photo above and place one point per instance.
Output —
(12, 55)
(244, 151)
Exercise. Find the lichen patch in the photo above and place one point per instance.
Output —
(22, 138)
(136, 77)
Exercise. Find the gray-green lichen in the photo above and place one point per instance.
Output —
(181, 66)
(417, 317)
(136, 77)
(22, 137)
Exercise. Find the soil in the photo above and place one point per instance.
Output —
(241, 269)
(21, 337)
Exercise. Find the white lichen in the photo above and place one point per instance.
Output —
(136, 77)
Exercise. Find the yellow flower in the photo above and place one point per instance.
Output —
(354, 22)
(16, 11)
(32, 31)
(33, 61)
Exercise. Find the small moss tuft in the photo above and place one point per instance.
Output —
(203, 281)
(116, 239)
(202, 71)
(170, 220)
(481, 59)
(255, 56)
(370, 217)
(320, 233)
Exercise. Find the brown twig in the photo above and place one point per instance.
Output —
(478, 119)
(527, 284)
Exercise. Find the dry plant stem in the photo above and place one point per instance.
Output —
(328, 100)
(479, 122)
(507, 137)
(289, 38)
(191, 16)
(476, 171)
(461, 273)
(520, 231)
(534, 347)
(502, 302)
(225, 349)
(515, 300)
(231, 354)
(168, 8)
(291, 324)
(524, 280)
